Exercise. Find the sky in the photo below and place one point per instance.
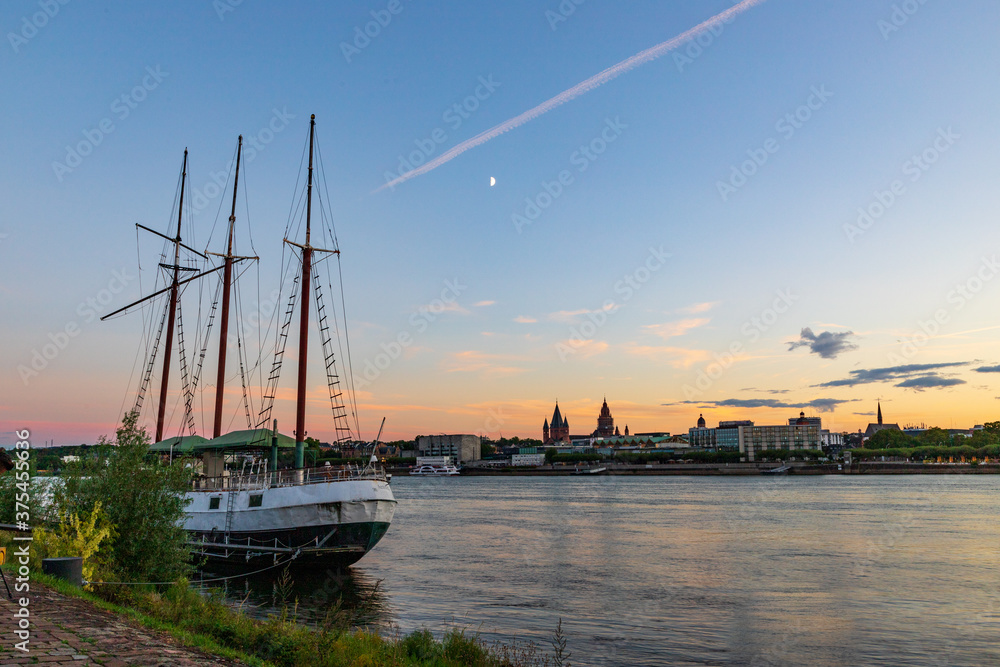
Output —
(792, 209)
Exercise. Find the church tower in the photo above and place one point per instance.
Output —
(605, 422)
(557, 430)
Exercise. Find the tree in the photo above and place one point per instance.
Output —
(142, 497)
(550, 455)
(936, 437)
(889, 438)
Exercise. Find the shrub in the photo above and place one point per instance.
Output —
(76, 537)
(142, 497)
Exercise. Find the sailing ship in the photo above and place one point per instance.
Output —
(242, 509)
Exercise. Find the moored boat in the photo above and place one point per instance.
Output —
(242, 509)
(435, 470)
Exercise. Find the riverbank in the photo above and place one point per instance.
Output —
(180, 626)
(68, 630)
(736, 469)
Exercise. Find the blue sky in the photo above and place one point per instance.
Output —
(491, 362)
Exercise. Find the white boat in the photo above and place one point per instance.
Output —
(589, 471)
(243, 510)
(435, 470)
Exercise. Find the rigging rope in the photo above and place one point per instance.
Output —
(200, 581)
(279, 352)
(188, 392)
(352, 396)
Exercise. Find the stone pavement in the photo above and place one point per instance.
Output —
(71, 631)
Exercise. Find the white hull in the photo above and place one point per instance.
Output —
(330, 520)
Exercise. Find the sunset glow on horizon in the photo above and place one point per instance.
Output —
(791, 210)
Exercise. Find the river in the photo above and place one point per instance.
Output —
(833, 570)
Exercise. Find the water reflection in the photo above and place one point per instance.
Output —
(324, 596)
(838, 570)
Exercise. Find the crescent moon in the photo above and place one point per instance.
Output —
(493, 181)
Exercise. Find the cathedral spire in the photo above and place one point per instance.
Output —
(880, 412)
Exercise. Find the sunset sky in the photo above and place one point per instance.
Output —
(794, 209)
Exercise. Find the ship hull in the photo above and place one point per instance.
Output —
(325, 524)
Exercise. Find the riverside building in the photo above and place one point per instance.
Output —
(750, 440)
(462, 448)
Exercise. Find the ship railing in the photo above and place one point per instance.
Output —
(300, 477)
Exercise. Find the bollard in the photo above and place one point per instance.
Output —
(69, 568)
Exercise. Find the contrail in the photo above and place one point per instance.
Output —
(610, 73)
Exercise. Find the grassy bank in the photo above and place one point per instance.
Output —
(209, 624)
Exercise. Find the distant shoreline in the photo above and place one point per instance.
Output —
(733, 469)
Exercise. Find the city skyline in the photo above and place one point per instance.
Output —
(753, 221)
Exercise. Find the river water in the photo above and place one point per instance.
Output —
(833, 570)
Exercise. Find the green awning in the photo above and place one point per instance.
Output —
(180, 444)
(248, 439)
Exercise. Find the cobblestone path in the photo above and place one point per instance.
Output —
(71, 631)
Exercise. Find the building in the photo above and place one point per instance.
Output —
(834, 441)
(750, 440)
(558, 430)
(756, 439)
(802, 419)
(606, 423)
(462, 448)
(725, 438)
(879, 426)
(523, 460)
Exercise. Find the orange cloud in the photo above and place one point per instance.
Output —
(678, 357)
(671, 329)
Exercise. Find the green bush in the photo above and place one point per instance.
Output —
(142, 497)
(420, 645)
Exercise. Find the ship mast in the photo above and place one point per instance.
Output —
(300, 396)
(172, 314)
(307, 256)
(174, 289)
(227, 282)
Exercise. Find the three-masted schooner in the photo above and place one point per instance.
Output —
(242, 509)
